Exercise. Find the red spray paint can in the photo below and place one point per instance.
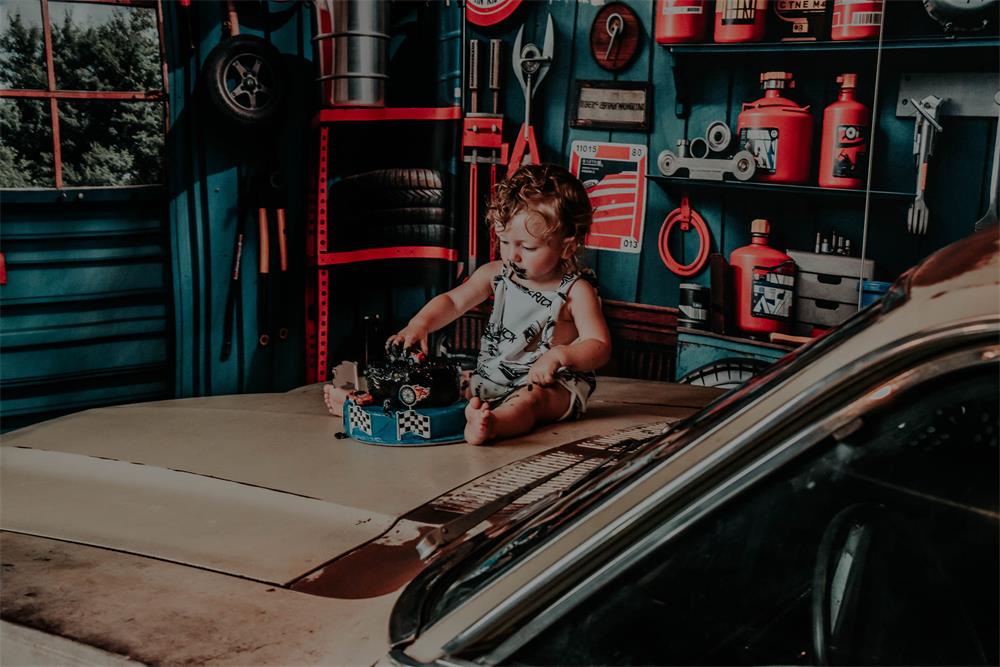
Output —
(843, 160)
(740, 20)
(778, 132)
(681, 21)
(764, 284)
(856, 19)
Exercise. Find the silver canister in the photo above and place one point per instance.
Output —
(351, 44)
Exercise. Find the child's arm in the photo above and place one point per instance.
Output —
(591, 349)
(445, 308)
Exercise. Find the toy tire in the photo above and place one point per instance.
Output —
(227, 85)
(667, 163)
(744, 166)
(725, 373)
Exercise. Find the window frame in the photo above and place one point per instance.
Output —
(53, 94)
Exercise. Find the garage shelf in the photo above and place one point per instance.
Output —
(918, 44)
(674, 182)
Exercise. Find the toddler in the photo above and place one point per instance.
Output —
(546, 334)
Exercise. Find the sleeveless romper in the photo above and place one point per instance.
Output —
(519, 331)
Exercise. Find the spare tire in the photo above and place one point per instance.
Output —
(244, 81)
(391, 217)
(388, 188)
(358, 237)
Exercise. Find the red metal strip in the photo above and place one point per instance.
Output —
(127, 3)
(322, 322)
(85, 95)
(387, 113)
(321, 219)
(398, 252)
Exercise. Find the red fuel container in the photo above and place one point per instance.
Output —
(843, 158)
(740, 20)
(778, 132)
(856, 19)
(764, 284)
(681, 21)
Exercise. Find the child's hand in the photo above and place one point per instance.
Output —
(543, 371)
(412, 334)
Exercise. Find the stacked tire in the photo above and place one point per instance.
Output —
(387, 208)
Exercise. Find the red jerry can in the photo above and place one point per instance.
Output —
(856, 19)
(764, 284)
(681, 21)
(778, 132)
(843, 158)
(740, 20)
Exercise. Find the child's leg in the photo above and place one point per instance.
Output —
(518, 414)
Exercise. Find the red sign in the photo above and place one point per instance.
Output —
(489, 12)
(615, 178)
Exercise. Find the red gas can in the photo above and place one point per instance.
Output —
(856, 19)
(740, 20)
(843, 159)
(764, 284)
(778, 132)
(680, 21)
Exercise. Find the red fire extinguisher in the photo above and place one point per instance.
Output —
(843, 160)
(680, 21)
(764, 284)
(778, 132)
(740, 20)
(856, 19)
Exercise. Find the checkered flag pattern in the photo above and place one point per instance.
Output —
(410, 421)
(360, 419)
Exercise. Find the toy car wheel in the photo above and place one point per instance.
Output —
(407, 395)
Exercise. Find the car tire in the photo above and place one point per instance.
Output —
(244, 81)
(725, 373)
(388, 189)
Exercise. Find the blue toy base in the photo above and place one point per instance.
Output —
(405, 428)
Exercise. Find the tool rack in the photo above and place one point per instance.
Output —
(348, 126)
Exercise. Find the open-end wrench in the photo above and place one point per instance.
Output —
(925, 129)
(531, 64)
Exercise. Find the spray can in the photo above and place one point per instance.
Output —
(740, 20)
(680, 21)
(764, 284)
(856, 19)
(778, 132)
(843, 160)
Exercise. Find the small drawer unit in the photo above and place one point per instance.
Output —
(826, 288)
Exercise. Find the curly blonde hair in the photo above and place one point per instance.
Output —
(549, 190)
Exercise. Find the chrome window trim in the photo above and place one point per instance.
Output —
(758, 470)
(926, 342)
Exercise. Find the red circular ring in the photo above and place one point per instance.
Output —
(700, 227)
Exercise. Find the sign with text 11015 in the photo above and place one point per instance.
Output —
(615, 178)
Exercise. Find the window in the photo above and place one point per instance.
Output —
(878, 549)
(82, 93)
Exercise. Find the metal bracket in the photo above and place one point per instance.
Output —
(969, 94)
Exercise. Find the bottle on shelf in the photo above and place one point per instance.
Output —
(778, 132)
(843, 160)
(856, 19)
(764, 284)
(681, 21)
(740, 20)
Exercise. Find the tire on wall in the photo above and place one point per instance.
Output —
(244, 82)
(388, 189)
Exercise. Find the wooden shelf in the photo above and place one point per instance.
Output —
(675, 182)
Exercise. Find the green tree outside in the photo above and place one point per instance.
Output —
(103, 142)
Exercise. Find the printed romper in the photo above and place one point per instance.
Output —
(519, 331)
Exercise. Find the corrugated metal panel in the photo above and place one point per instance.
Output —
(86, 311)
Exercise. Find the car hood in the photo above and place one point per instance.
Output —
(251, 485)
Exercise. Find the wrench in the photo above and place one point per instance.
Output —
(925, 130)
(531, 64)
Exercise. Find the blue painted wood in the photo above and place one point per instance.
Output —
(697, 350)
(86, 308)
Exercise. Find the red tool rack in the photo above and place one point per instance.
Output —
(357, 122)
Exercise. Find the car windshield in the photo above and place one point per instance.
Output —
(522, 535)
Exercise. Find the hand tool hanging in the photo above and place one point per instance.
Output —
(531, 64)
(481, 131)
(235, 291)
(272, 193)
(925, 130)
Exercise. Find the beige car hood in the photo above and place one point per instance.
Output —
(251, 485)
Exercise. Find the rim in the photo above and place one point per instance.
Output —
(247, 81)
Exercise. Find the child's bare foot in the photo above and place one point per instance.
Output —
(334, 398)
(479, 422)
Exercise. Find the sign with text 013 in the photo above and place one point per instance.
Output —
(615, 178)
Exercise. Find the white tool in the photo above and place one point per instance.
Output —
(925, 131)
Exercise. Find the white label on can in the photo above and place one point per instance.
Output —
(772, 294)
(669, 9)
(763, 143)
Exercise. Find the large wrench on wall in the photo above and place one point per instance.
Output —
(531, 64)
